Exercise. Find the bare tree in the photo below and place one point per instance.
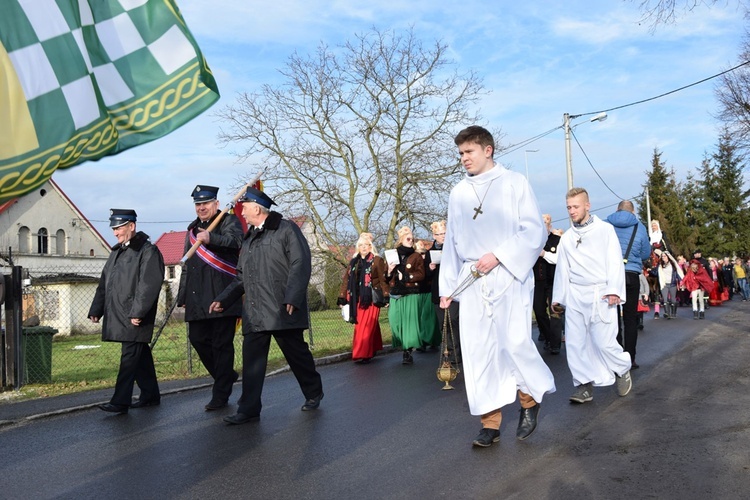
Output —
(733, 94)
(658, 12)
(360, 137)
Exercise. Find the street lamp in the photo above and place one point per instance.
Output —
(568, 157)
(526, 156)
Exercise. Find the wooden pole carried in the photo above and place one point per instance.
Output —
(220, 216)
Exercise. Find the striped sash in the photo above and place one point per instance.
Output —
(212, 259)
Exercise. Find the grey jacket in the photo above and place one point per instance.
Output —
(129, 288)
(274, 270)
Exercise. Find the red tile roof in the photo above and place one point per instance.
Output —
(172, 246)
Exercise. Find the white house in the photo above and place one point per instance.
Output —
(61, 252)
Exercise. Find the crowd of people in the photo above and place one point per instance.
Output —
(493, 264)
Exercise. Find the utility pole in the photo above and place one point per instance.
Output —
(568, 159)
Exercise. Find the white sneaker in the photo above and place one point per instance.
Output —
(624, 383)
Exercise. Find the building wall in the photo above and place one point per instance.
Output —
(68, 233)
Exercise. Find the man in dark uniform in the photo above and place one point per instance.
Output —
(127, 298)
(273, 272)
(550, 329)
(209, 271)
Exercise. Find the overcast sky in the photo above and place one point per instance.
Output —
(537, 62)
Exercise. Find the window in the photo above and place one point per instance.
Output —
(170, 272)
(60, 242)
(42, 241)
(24, 240)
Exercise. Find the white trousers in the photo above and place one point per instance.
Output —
(591, 338)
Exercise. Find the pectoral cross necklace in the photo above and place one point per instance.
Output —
(478, 210)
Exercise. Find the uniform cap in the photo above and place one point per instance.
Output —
(121, 216)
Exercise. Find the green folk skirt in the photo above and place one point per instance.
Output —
(404, 318)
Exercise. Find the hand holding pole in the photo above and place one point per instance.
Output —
(220, 216)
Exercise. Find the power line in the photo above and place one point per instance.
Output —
(664, 94)
(592, 166)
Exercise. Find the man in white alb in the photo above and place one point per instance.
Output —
(494, 229)
(589, 284)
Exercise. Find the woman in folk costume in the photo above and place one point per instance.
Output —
(698, 283)
(658, 238)
(659, 244)
(429, 333)
(669, 274)
(365, 290)
(716, 296)
(404, 310)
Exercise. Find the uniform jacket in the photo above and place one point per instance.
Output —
(544, 272)
(129, 288)
(273, 270)
(624, 222)
(200, 282)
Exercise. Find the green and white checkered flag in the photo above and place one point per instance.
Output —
(82, 79)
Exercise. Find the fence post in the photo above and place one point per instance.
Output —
(13, 331)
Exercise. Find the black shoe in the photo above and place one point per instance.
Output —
(634, 365)
(144, 404)
(695, 314)
(312, 404)
(702, 315)
(408, 359)
(119, 409)
(216, 404)
(240, 418)
(527, 422)
(486, 437)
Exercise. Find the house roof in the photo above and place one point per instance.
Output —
(172, 246)
(80, 214)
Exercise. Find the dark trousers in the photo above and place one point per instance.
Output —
(136, 366)
(550, 329)
(453, 312)
(255, 360)
(629, 313)
(213, 340)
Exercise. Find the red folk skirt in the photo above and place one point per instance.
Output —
(367, 337)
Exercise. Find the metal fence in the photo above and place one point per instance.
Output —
(61, 346)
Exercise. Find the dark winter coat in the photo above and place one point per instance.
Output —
(273, 270)
(544, 272)
(129, 288)
(200, 282)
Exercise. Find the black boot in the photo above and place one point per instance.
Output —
(695, 314)
(702, 315)
(674, 309)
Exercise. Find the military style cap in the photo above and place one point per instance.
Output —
(121, 216)
(256, 196)
(202, 194)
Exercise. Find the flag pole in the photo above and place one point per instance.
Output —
(221, 215)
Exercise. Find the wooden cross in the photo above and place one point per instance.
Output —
(477, 211)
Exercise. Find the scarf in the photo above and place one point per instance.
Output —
(360, 284)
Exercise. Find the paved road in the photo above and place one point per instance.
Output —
(387, 431)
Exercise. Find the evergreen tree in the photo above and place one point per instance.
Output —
(731, 199)
(707, 208)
